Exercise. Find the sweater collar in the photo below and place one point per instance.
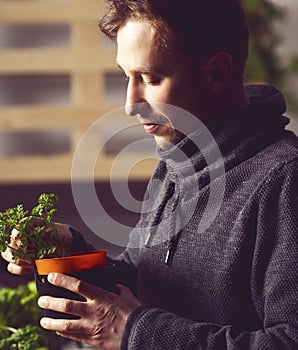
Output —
(230, 139)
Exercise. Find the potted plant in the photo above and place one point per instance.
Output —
(37, 235)
(38, 241)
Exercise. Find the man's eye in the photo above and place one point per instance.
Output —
(153, 81)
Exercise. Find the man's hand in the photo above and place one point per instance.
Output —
(102, 316)
(21, 266)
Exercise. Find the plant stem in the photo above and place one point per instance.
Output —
(10, 329)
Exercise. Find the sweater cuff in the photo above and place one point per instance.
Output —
(78, 242)
(130, 325)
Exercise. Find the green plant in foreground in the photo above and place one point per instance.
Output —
(19, 320)
(37, 235)
(25, 338)
(18, 306)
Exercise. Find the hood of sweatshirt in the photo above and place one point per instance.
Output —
(230, 139)
(205, 155)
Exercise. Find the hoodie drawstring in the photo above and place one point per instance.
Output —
(168, 194)
(173, 239)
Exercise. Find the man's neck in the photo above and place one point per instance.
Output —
(230, 102)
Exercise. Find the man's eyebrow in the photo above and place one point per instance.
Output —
(146, 70)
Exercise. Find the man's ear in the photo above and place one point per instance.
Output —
(219, 70)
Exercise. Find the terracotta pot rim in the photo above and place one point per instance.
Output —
(73, 255)
(76, 262)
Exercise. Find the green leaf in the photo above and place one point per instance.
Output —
(36, 241)
(25, 338)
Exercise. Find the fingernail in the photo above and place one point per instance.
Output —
(40, 301)
(51, 277)
(43, 323)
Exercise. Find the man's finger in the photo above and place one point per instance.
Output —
(64, 327)
(81, 338)
(19, 269)
(59, 325)
(8, 256)
(124, 291)
(77, 286)
(63, 305)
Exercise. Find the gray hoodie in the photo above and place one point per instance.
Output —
(214, 256)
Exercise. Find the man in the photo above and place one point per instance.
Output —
(225, 283)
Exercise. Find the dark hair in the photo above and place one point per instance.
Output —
(199, 28)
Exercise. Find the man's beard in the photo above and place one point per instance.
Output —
(166, 143)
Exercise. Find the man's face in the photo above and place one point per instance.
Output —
(156, 78)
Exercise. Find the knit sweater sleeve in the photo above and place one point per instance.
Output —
(78, 242)
(274, 289)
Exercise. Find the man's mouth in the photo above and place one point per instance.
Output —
(150, 127)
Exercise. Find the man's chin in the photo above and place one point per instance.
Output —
(162, 143)
(165, 143)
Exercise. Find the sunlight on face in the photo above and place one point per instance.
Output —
(154, 78)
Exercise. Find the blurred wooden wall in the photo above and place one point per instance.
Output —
(85, 61)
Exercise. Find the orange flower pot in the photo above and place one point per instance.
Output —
(76, 262)
(89, 266)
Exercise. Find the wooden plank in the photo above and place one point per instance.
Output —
(53, 61)
(86, 36)
(48, 117)
(86, 90)
(86, 61)
(35, 169)
(50, 12)
(58, 169)
(143, 170)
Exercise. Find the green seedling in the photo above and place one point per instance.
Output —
(36, 235)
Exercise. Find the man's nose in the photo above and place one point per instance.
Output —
(134, 97)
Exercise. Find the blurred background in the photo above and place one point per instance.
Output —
(58, 75)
